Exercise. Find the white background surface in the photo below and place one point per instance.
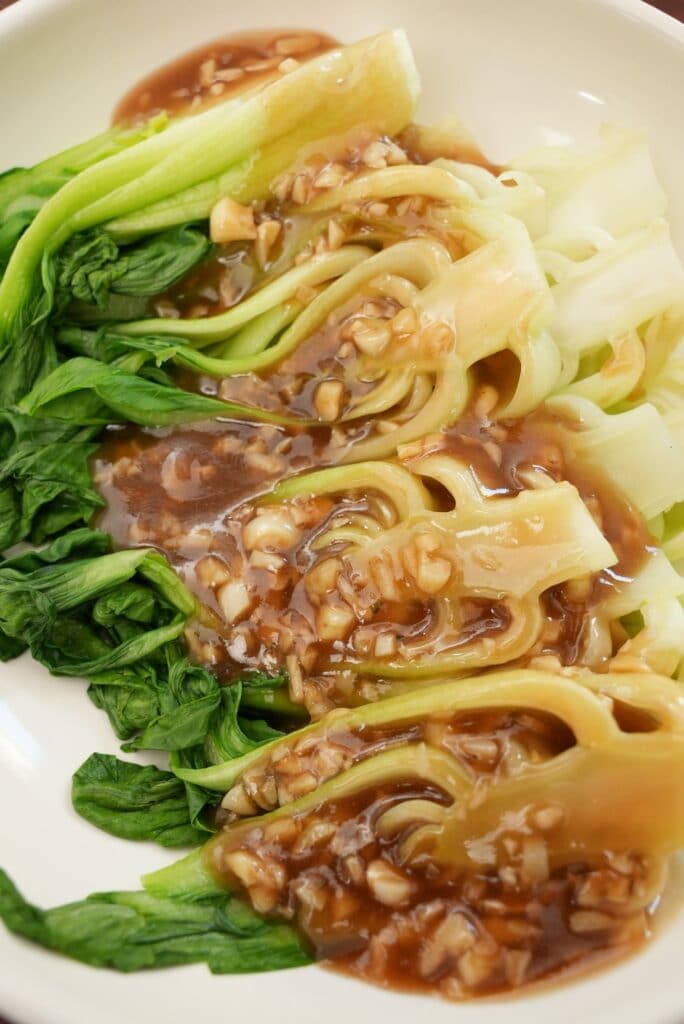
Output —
(518, 72)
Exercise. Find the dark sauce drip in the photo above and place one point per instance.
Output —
(424, 145)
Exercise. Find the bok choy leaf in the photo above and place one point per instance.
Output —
(134, 801)
(132, 931)
(92, 267)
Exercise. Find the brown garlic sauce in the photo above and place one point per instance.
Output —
(490, 743)
(408, 922)
(188, 491)
(218, 70)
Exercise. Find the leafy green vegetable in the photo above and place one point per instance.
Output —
(122, 395)
(137, 695)
(24, 191)
(32, 356)
(86, 239)
(134, 801)
(69, 267)
(188, 698)
(115, 618)
(131, 931)
(91, 266)
(170, 704)
(81, 543)
(45, 484)
(64, 613)
(227, 734)
(276, 123)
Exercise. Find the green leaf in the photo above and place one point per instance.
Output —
(65, 394)
(130, 696)
(31, 357)
(232, 736)
(89, 616)
(182, 726)
(213, 152)
(132, 931)
(45, 484)
(92, 266)
(130, 601)
(134, 801)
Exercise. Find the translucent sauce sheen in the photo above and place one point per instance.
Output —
(217, 70)
(180, 489)
(346, 876)
(192, 493)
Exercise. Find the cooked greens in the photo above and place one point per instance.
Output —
(25, 190)
(133, 931)
(116, 619)
(454, 395)
(133, 801)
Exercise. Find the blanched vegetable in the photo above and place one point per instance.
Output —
(134, 802)
(25, 190)
(509, 782)
(133, 931)
(503, 552)
(277, 122)
(389, 421)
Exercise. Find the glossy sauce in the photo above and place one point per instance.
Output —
(232, 272)
(293, 381)
(191, 491)
(217, 71)
(436, 928)
(425, 145)
(542, 441)
(224, 68)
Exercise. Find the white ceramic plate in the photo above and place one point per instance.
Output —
(518, 73)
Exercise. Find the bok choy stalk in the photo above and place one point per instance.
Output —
(434, 821)
(372, 83)
(512, 549)
(418, 387)
(332, 766)
(25, 190)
